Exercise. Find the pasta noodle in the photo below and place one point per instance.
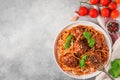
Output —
(69, 58)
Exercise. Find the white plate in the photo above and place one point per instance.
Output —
(108, 41)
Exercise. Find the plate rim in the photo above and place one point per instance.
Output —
(66, 27)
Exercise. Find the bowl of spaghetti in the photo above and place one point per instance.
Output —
(80, 48)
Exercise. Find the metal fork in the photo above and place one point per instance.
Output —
(102, 68)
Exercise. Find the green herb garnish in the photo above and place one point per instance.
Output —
(114, 71)
(91, 41)
(68, 40)
(86, 35)
(85, 57)
(82, 61)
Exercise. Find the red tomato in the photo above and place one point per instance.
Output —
(112, 5)
(105, 12)
(114, 14)
(104, 2)
(117, 1)
(83, 11)
(94, 1)
(93, 13)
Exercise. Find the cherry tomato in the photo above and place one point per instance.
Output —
(94, 1)
(104, 2)
(117, 1)
(83, 11)
(114, 14)
(112, 5)
(93, 13)
(105, 12)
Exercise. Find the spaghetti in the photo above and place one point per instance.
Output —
(68, 59)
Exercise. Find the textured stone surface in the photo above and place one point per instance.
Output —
(28, 29)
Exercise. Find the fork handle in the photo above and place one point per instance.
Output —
(108, 74)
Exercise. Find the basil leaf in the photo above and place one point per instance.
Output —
(68, 40)
(114, 65)
(82, 61)
(86, 34)
(114, 73)
(117, 61)
(85, 57)
(91, 42)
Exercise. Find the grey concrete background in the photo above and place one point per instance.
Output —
(28, 29)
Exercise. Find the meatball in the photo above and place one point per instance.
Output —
(69, 60)
(80, 48)
(95, 59)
